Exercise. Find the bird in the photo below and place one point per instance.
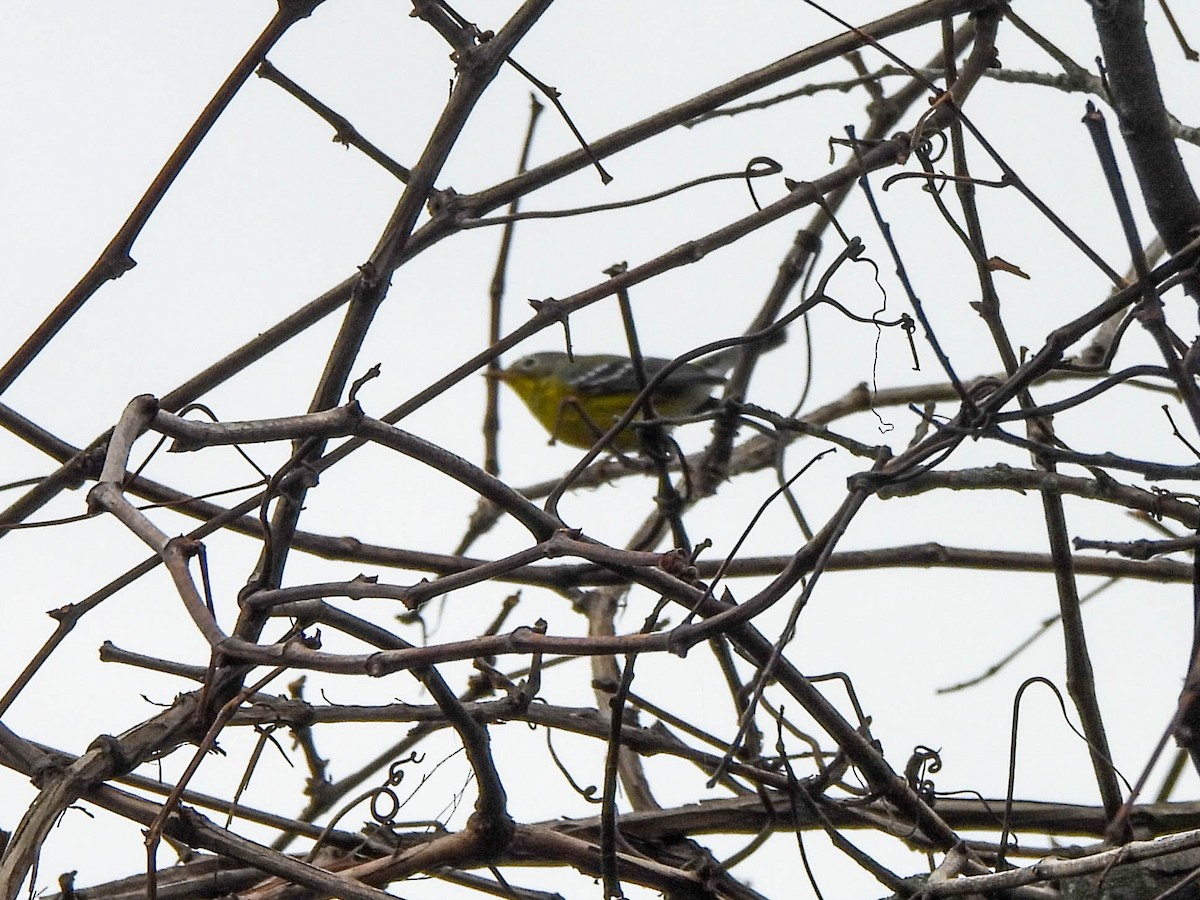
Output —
(577, 398)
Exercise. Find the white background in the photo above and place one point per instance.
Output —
(270, 213)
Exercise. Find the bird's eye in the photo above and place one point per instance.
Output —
(528, 363)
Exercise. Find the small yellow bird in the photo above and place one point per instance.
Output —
(577, 400)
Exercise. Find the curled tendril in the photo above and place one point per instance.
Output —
(927, 146)
(396, 773)
(374, 796)
(757, 168)
(924, 761)
(394, 777)
(387, 818)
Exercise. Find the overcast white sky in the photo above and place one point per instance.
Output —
(270, 213)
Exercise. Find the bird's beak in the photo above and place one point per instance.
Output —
(495, 375)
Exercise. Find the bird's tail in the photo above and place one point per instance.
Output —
(722, 361)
